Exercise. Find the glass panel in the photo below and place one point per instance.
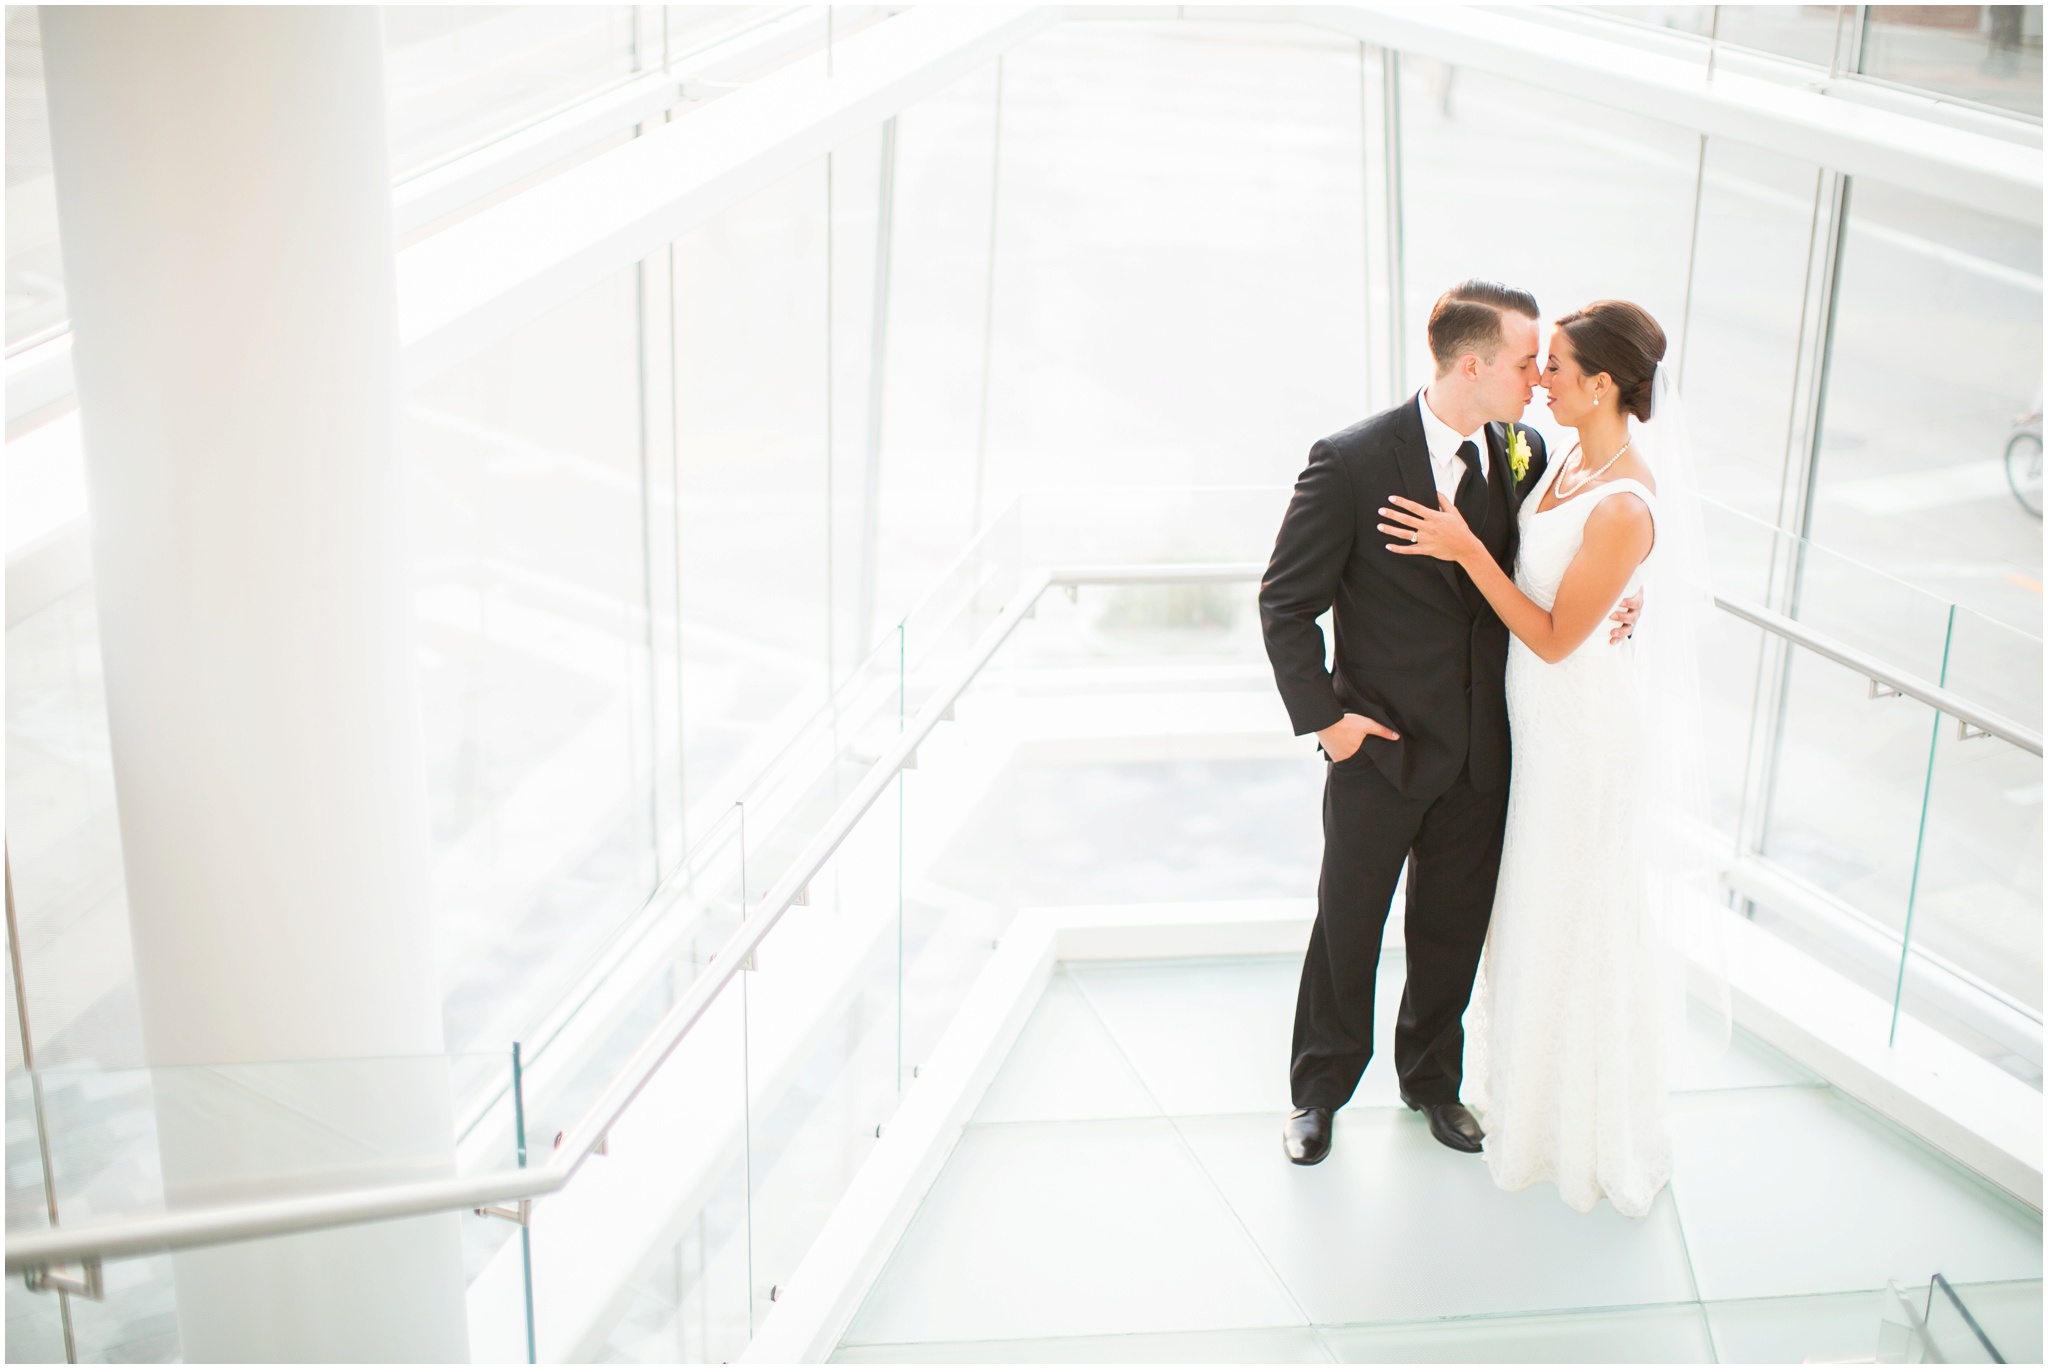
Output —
(1832, 786)
(948, 935)
(1888, 618)
(1901, 1328)
(1740, 344)
(1804, 33)
(457, 77)
(937, 338)
(1733, 656)
(1936, 358)
(127, 1143)
(1987, 53)
(637, 976)
(1901, 624)
(1466, 168)
(1111, 369)
(822, 1065)
(35, 267)
(131, 1142)
(460, 75)
(1974, 973)
(959, 607)
(35, 1326)
(827, 1049)
(670, 1279)
(749, 525)
(855, 987)
(1693, 19)
(529, 537)
(2009, 1315)
(1953, 1332)
(587, 1039)
(64, 842)
(1849, 775)
(1996, 666)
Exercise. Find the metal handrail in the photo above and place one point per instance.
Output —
(1912, 686)
(30, 1250)
(277, 1217)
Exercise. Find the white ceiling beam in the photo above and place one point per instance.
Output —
(505, 160)
(479, 280)
(1953, 164)
(441, 190)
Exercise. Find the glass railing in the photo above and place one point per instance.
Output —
(1872, 831)
(637, 974)
(1863, 832)
(1940, 1323)
(800, 1068)
(90, 1146)
(1989, 662)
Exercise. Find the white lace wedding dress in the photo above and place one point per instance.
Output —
(1566, 1060)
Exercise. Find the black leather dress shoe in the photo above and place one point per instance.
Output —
(1307, 1135)
(1451, 1124)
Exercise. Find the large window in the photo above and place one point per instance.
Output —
(657, 525)
(461, 75)
(1989, 54)
(1985, 54)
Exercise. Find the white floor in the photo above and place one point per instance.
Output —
(1121, 1195)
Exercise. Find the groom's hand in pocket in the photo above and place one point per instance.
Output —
(1341, 739)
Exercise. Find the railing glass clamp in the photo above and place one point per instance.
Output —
(1880, 690)
(520, 1215)
(1968, 732)
(82, 1280)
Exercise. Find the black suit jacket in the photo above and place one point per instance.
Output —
(1417, 647)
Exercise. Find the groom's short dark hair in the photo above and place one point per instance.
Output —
(1467, 319)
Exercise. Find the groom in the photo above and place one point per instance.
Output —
(1414, 720)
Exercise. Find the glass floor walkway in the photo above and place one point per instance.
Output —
(1121, 1195)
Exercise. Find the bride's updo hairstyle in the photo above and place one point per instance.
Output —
(1621, 339)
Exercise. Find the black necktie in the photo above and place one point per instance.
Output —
(1471, 495)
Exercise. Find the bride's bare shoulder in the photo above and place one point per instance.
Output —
(1623, 518)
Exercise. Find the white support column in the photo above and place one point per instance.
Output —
(224, 197)
(1379, 130)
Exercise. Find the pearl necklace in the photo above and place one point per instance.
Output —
(1564, 471)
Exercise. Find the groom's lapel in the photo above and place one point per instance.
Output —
(1513, 488)
(1497, 467)
(1411, 455)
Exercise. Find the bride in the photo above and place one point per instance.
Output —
(1571, 1024)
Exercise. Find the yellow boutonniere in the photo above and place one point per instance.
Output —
(1518, 452)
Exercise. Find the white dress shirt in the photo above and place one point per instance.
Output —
(1443, 448)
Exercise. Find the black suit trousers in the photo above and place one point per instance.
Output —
(1369, 830)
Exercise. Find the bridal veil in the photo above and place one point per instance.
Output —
(1683, 909)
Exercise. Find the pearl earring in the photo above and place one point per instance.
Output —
(1596, 401)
